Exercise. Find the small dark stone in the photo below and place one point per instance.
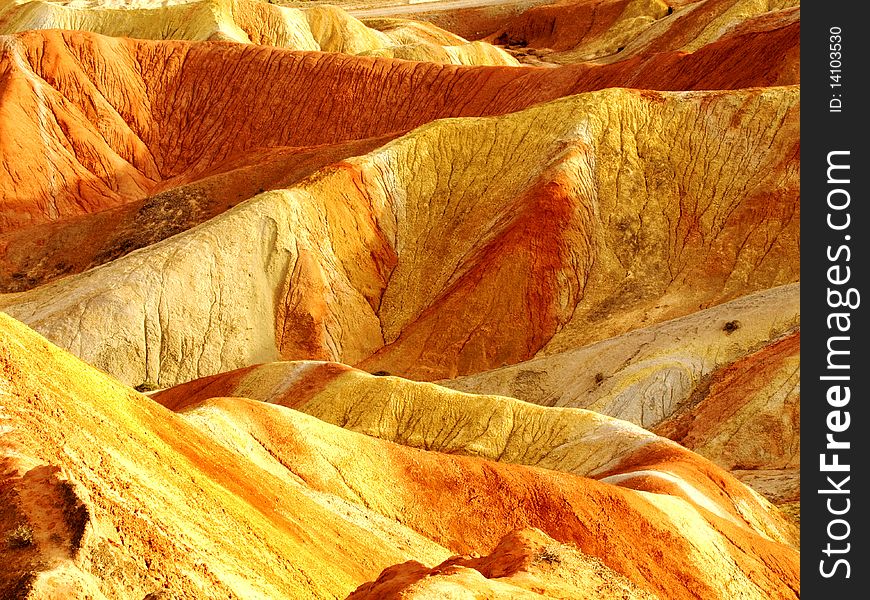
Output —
(731, 326)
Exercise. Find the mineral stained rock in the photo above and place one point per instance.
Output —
(98, 122)
(321, 28)
(148, 499)
(570, 212)
(617, 30)
(723, 382)
(300, 305)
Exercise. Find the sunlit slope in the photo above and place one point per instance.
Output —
(151, 501)
(749, 420)
(648, 375)
(430, 417)
(469, 505)
(698, 24)
(526, 565)
(320, 28)
(40, 253)
(472, 53)
(760, 434)
(124, 498)
(607, 26)
(98, 121)
(550, 228)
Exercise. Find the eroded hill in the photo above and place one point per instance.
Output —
(723, 382)
(100, 122)
(628, 226)
(416, 321)
(149, 499)
(321, 28)
(615, 30)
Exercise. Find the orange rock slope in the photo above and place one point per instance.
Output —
(723, 382)
(40, 253)
(568, 223)
(406, 328)
(571, 24)
(150, 500)
(749, 420)
(101, 121)
(497, 428)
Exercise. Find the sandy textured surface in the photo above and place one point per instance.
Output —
(499, 299)
(148, 499)
(621, 244)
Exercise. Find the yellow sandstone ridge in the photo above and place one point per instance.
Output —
(617, 30)
(526, 565)
(701, 23)
(465, 245)
(723, 382)
(145, 500)
(356, 308)
(124, 498)
(319, 28)
(426, 416)
(647, 375)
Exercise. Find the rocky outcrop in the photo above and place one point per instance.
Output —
(147, 502)
(584, 30)
(35, 255)
(651, 374)
(748, 419)
(750, 415)
(700, 24)
(410, 320)
(526, 564)
(723, 382)
(497, 428)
